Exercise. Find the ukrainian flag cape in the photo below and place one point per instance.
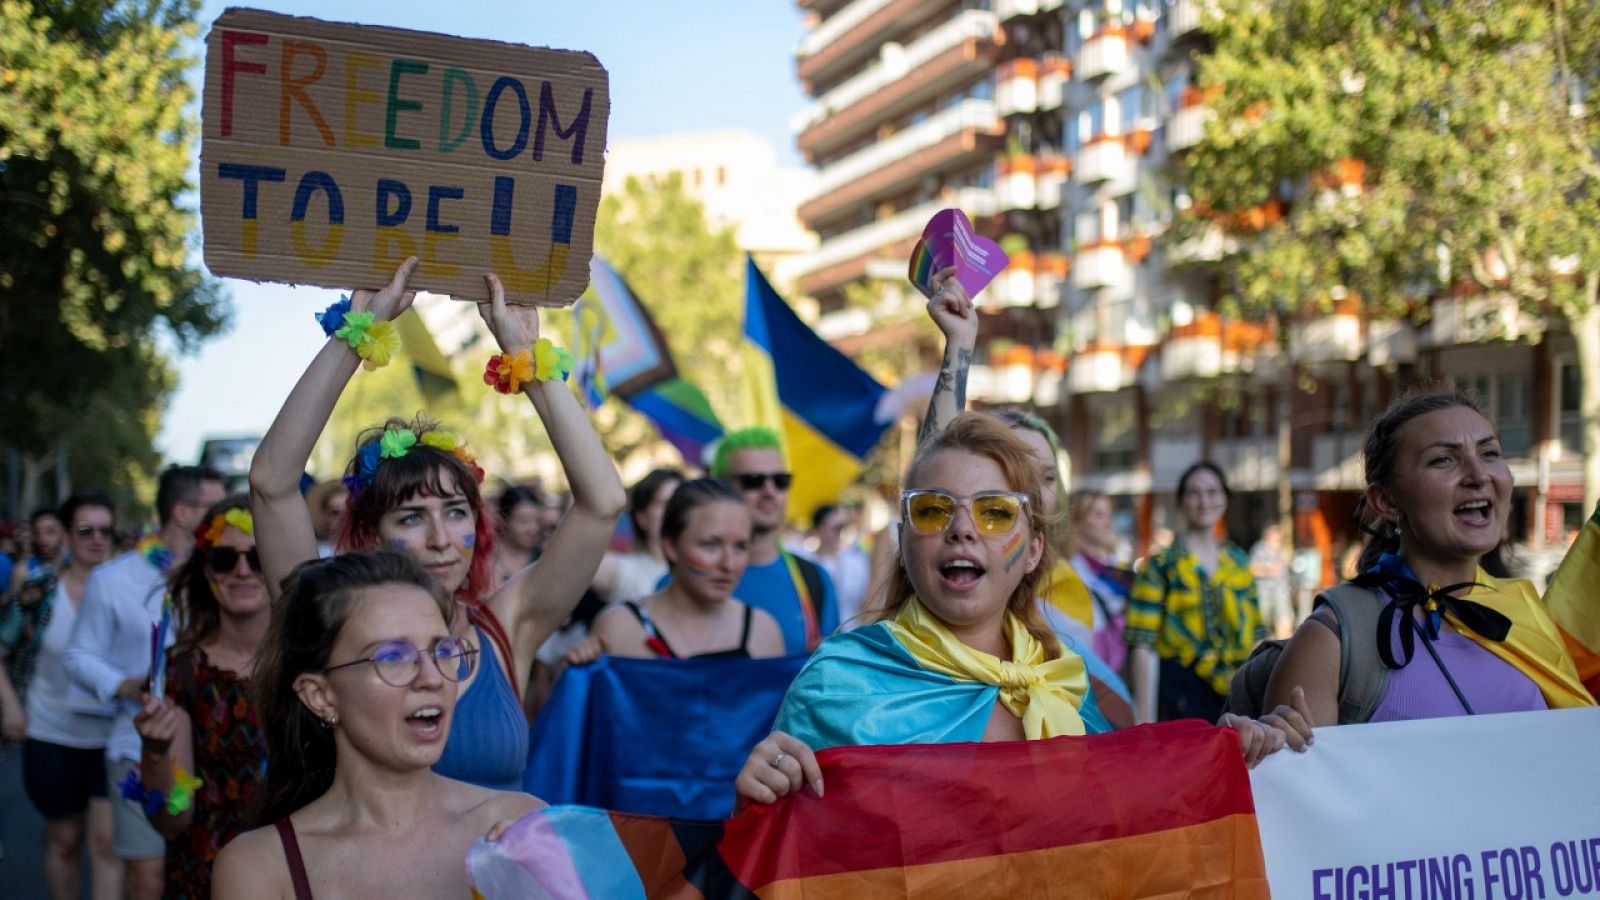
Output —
(866, 687)
(1536, 645)
(1573, 601)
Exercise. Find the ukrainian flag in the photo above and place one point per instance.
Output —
(797, 384)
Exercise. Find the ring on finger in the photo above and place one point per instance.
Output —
(777, 761)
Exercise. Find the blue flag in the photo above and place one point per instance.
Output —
(661, 737)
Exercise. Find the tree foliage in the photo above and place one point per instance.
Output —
(1395, 152)
(96, 126)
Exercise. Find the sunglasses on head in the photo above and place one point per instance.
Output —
(87, 531)
(753, 481)
(223, 559)
(931, 511)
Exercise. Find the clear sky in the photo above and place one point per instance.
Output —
(676, 66)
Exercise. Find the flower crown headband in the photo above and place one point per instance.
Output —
(207, 534)
(395, 443)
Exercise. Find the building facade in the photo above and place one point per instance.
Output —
(1055, 125)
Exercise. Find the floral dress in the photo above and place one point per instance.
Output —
(229, 756)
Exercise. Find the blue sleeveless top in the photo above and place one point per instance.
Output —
(488, 744)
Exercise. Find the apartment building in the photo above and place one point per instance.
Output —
(1055, 125)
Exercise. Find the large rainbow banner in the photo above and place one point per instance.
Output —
(1159, 811)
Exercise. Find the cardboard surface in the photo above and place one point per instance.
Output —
(332, 152)
(948, 240)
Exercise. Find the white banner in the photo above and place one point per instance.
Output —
(1500, 807)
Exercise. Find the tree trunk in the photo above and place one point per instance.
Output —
(1586, 335)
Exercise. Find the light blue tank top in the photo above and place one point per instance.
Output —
(488, 743)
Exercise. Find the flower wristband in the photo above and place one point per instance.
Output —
(509, 372)
(375, 342)
(173, 802)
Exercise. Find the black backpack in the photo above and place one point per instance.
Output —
(1363, 677)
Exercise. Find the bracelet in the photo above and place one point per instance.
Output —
(550, 361)
(173, 802)
(375, 342)
(332, 318)
(508, 372)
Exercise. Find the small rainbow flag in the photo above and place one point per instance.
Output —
(1157, 811)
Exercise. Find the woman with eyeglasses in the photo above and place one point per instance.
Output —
(414, 488)
(705, 537)
(356, 688)
(63, 746)
(961, 619)
(205, 724)
(1193, 617)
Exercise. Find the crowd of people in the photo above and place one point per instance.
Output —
(285, 694)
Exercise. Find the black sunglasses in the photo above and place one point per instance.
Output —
(752, 481)
(223, 559)
(106, 532)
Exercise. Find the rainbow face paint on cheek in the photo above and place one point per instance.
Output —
(696, 571)
(398, 546)
(1013, 548)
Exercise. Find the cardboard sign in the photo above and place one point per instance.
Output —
(949, 241)
(333, 152)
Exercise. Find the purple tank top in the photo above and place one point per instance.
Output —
(1420, 690)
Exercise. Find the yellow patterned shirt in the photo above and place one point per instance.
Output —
(1208, 625)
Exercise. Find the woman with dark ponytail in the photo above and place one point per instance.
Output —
(1437, 500)
(355, 687)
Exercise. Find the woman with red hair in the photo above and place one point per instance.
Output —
(414, 489)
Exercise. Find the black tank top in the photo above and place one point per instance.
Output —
(658, 643)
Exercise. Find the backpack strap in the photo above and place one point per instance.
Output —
(811, 581)
(1363, 678)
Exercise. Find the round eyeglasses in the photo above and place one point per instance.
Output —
(398, 662)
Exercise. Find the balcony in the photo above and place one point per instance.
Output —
(1186, 127)
(1102, 368)
(1103, 158)
(1336, 461)
(1104, 54)
(1101, 265)
(844, 258)
(1193, 350)
(1053, 174)
(1391, 343)
(1477, 319)
(843, 34)
(1184, 17)
(1170, 455)
(944, 57)
(969, 126)
(1016, 88)
(1053, 269)
(1054, 73)
(1014, 286)
(1016, 183)
(1251, 463)
(1333, 337)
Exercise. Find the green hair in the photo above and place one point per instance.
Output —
(758, 437)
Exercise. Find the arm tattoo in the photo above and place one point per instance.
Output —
(930, 420)
(963, 363)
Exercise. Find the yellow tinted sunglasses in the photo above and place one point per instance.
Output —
(930, 511)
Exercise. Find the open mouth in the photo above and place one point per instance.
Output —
(961, 574)
(1476, 513)
(427, 722)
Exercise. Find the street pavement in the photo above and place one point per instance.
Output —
(21, 832)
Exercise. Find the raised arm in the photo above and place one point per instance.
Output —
(952, 310)
(536, 600)
(284, 534)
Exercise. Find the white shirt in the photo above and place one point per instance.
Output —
(54, 714)
(850, 570)
(111, 640)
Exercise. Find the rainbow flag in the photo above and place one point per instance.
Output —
(796, 383)
(638, 368)
(1157, 811)
(1571, 602)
